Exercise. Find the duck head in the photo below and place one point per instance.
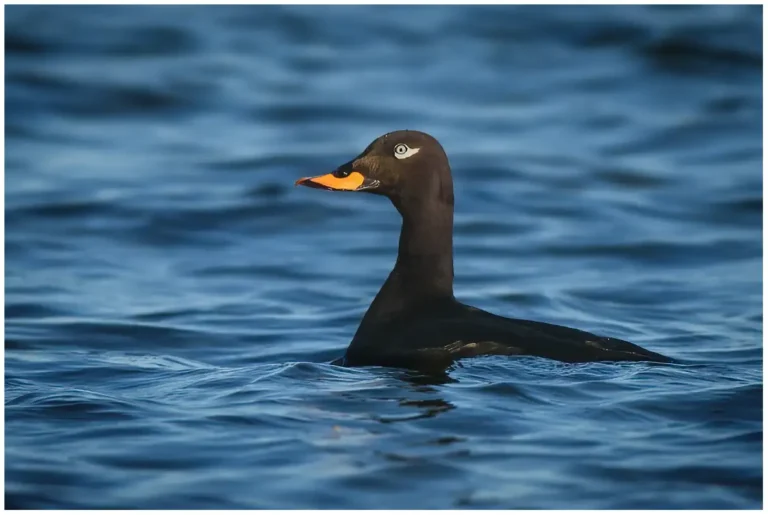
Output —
(406, 166)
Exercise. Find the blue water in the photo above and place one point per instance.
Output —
(172, 302)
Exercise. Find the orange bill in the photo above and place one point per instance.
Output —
(351, 182)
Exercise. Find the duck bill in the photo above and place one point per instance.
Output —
(352, 182)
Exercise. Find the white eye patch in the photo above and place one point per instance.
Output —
(403, 151)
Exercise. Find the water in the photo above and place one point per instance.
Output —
(173, 302)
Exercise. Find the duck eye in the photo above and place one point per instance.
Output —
(402, 151)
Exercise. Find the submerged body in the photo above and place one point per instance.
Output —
(415, 321)
(437, 335)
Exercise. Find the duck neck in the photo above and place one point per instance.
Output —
(423, 273)
(425, 255)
